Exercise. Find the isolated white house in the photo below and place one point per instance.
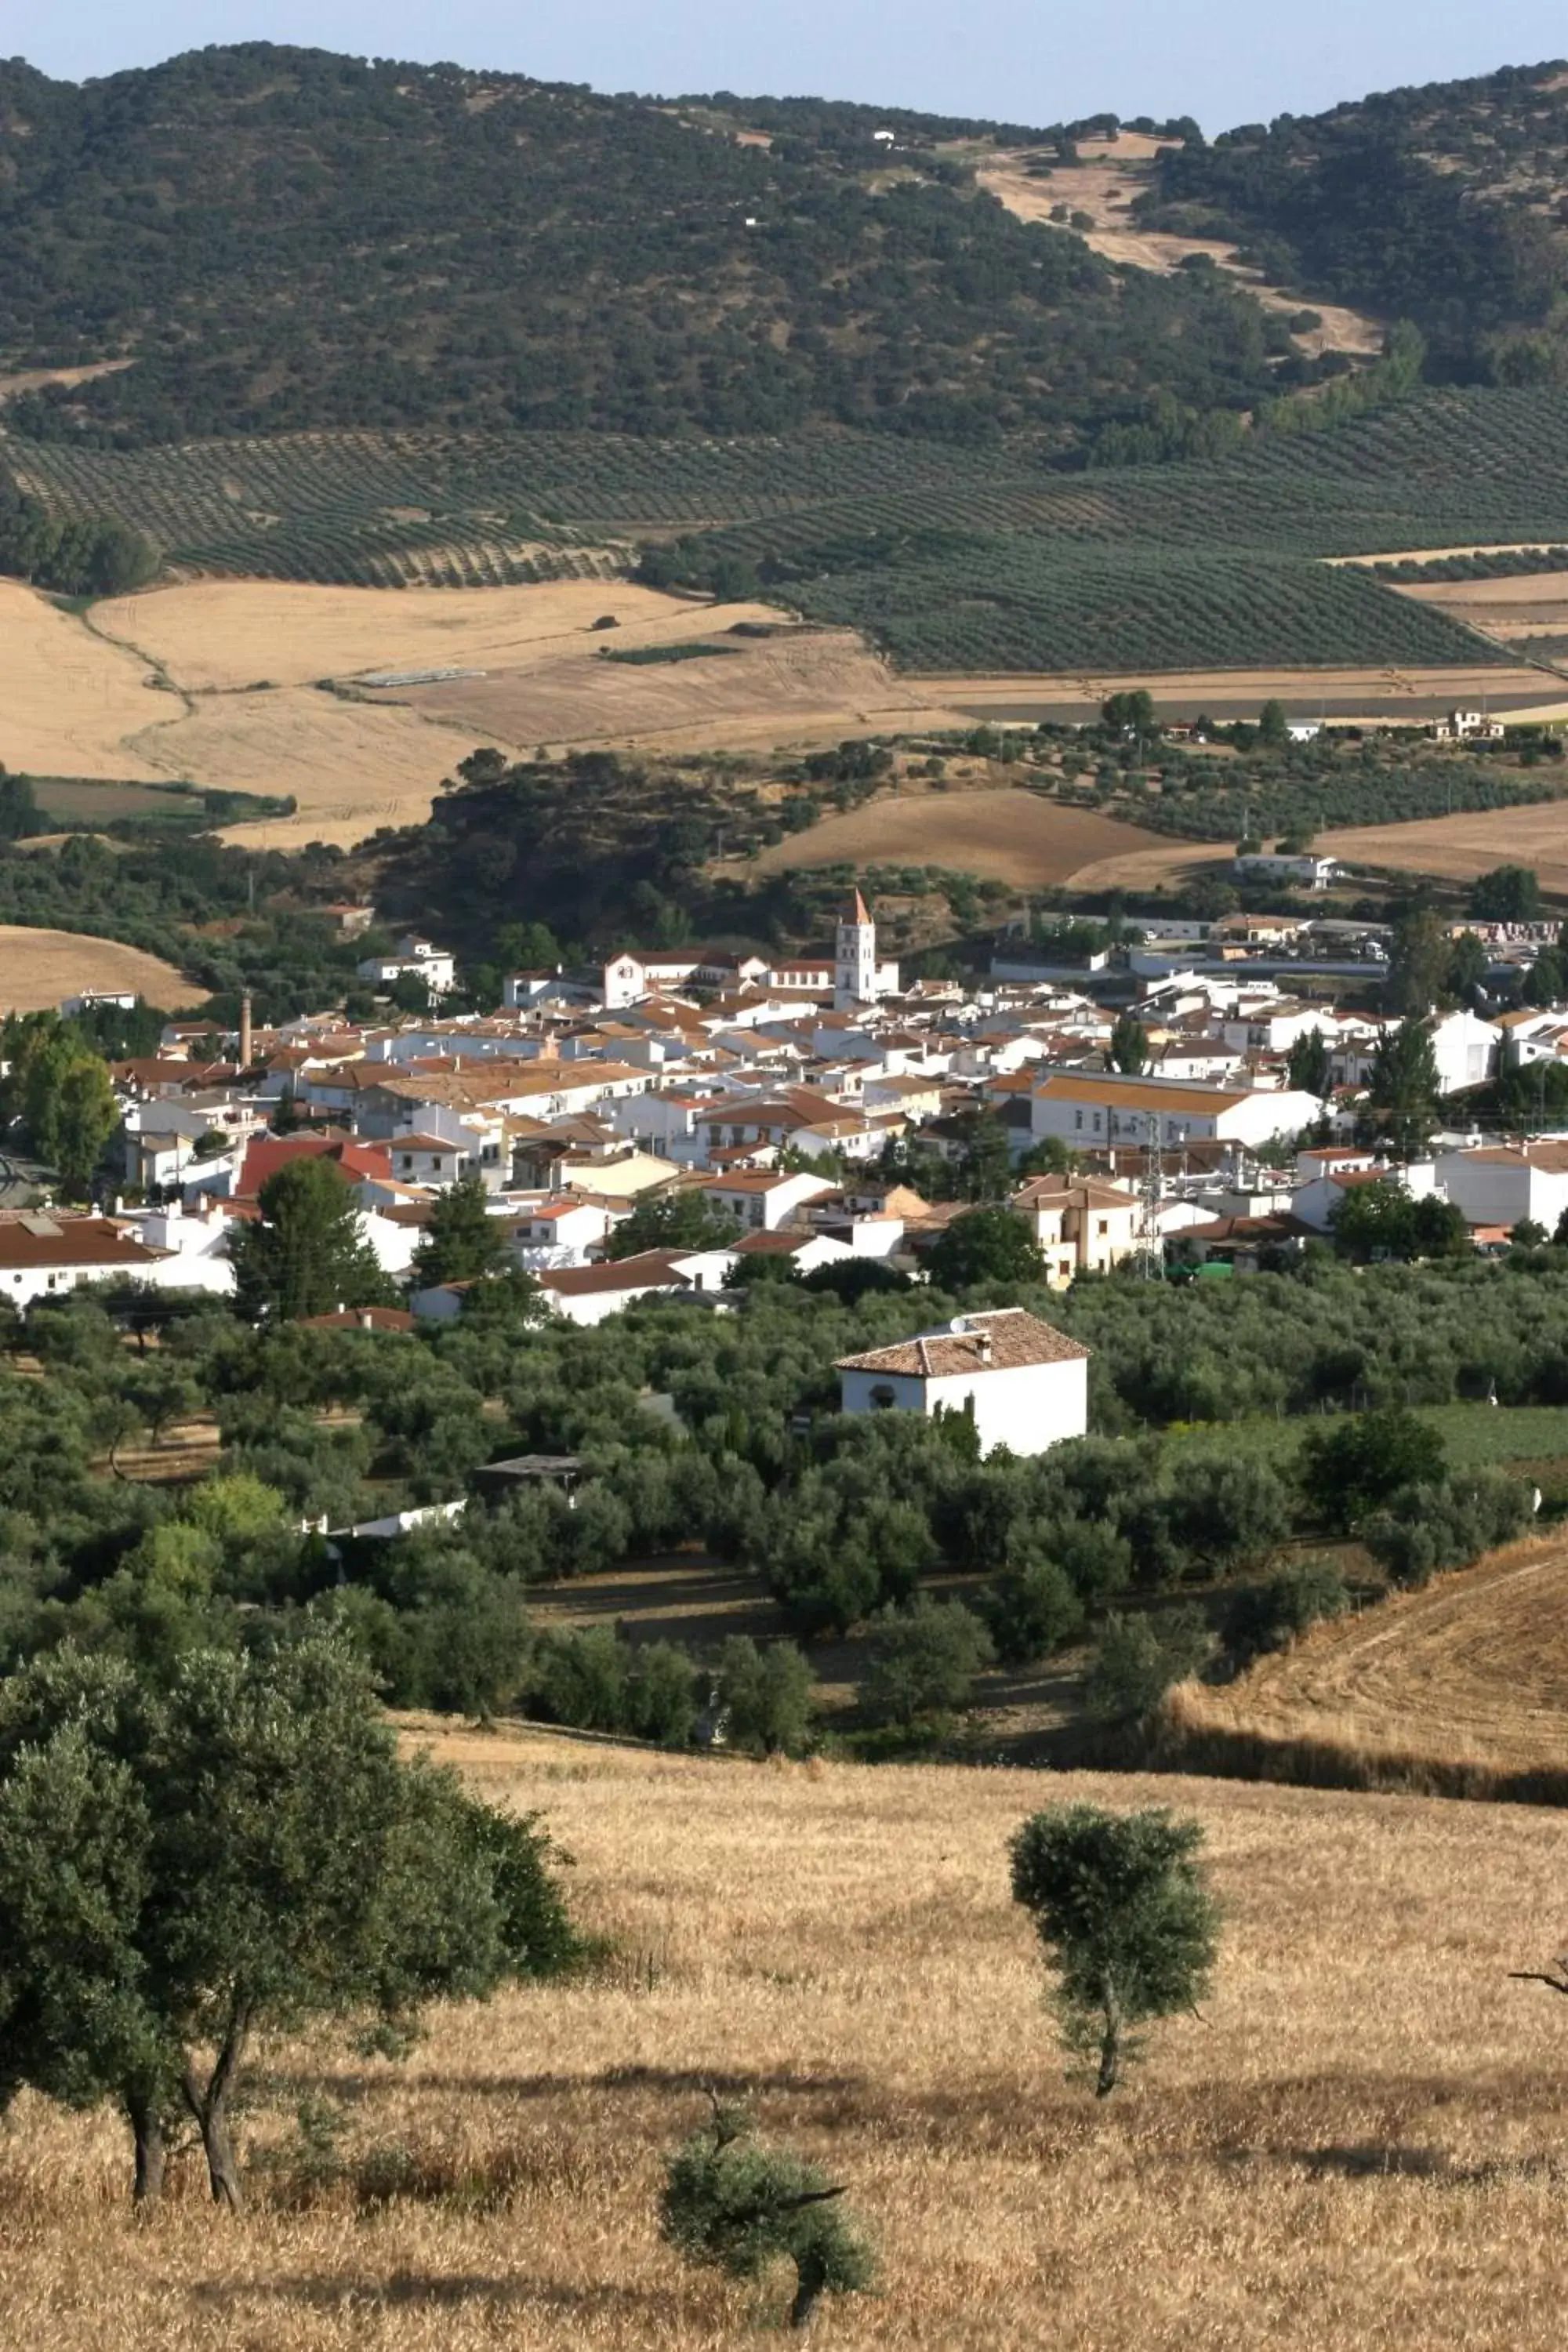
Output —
(1025, 1385)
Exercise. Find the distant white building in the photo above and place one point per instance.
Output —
(415, 959)
(1025, 1385)
(1300, 872)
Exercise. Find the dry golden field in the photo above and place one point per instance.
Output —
(1358, 2147)
(1016, 836)
(220, 683)
(1469, 1678)
(39, 968)
(1518, 608)
(69, 704)
(1457, 848)
(1108, 175)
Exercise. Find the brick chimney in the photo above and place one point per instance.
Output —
(245, 1032)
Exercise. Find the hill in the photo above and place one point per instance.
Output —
(279, 239)
(1448, 204)
(1358, 2141)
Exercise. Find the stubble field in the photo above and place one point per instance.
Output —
(39, 968)
(1466, 1678)
(1014, 836)
(1357, 2145)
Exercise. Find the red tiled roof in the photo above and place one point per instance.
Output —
(649, 1270)
(1016, 1340)
(266, 1154)
(36, 1243)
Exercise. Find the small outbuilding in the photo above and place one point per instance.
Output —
(1024, 1383)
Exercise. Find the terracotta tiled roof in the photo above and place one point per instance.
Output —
(1003, 1341)
(35, 1243)
(649, 1270)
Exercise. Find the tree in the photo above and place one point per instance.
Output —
(985, 1246)
(306, 1254)
(1273, 728)
(1348, 1467)
(733, 2204)
(1528, 1234)
(189, 1867)
(1126, 1918)
(1468, 965)
(462, 1242)
(924, 1661)
(1129, 1049)
(1418, 971)
(1508, 894)
(1131, 716)
(1403, 1087)
(683, 1221)
(764, 1696)
(1031, 1610)
(1308, 1066)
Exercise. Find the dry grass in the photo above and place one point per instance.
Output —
(39, 968)
(1457, 848)
(1357, 2147)
(1016, 836)
(68, 704)
(1514, 609)
(1463, 1686)
(1108, 175)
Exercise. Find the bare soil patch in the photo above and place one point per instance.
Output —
(1012, 835)
(1104, 184)
(1357, 2145)
(39, 968)
(39, 379)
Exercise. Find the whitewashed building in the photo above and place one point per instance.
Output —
(1023, 1383)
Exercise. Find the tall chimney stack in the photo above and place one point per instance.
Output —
(245, 1032)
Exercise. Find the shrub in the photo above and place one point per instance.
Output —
(1300, 1596)
(923, 1662)
(1137, 1659)
(1030, 1611)
(1349, 1467)
(765, 1697)
(1426, 1528)
(733, 2204)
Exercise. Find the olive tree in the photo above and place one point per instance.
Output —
(733, 2204)
(187, 1868)
(1127, 1920)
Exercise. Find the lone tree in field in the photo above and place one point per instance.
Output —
(186, 1870)
(733, 2204)
(1127, 1920)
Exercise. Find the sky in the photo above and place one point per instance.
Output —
(1032, 61)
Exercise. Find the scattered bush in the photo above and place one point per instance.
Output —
(1137, 1659)
(923, 1662)
(733, 2204)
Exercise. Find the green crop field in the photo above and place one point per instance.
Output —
(1475, 1436)
(951, 558)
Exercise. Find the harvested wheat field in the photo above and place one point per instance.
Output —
(1516, 608)
(263, 687)
(1457, 848)
(1015, 836)
(1462, 1685)
(1109, 175)
(798, 686)
(39, 968)
(69, 704)
(213, 635)
(1359, 2144)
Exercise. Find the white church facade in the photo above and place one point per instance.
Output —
(858, 977)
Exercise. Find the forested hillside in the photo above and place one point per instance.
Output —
(282, 238)
(1448, 204)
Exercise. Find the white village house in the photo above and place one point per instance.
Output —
(1024, 1384)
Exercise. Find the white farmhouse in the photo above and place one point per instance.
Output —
(1091, 1110)
(1025, 1385)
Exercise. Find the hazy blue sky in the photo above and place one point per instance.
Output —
(1224, 61)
